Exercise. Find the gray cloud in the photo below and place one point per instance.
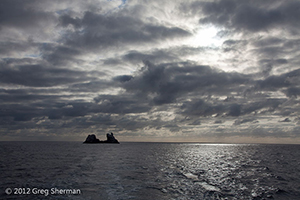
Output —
(39, 75)
(169, 81)
(121, 104)
(60, 55)
(154, 86)
(292, 92)
(77, 67)
(246, 120)
(99, 31)
(22, 14)
(250, 16)
(285, 120)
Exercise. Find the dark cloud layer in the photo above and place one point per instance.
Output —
(40, 76)
(98, 31)
(168, 82)
(22, 14)
(75, 68)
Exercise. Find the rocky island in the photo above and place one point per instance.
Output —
(110, 139)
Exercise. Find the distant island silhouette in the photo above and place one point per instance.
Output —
(110, 139)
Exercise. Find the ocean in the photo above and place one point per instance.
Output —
(72, 170)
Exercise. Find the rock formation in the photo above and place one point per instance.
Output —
(110, 139)
(91, 139)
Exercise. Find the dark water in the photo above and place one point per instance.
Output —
(149, 170)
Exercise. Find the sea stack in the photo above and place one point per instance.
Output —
(110, 139)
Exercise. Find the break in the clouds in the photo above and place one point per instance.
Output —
(223, 70)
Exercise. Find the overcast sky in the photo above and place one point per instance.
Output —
(212, 71)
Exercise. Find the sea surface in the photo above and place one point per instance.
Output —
(32, 170)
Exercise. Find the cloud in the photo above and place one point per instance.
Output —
(99, 31)
(22, 14)
(218, 122)
(60, 55)
(123, 78)
(169, 81)
(249, 16)
(154, 86)
(140, 69)
(292, 92)
(39, 75)
(120, 104)
(246, 120)
(285, 120)
(195, 122)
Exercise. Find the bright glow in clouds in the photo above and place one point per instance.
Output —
(206, 36)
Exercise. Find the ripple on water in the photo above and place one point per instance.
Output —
(155, 171)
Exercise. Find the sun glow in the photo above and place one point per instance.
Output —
(206, 36)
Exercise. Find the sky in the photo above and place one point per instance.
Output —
(168, 71)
